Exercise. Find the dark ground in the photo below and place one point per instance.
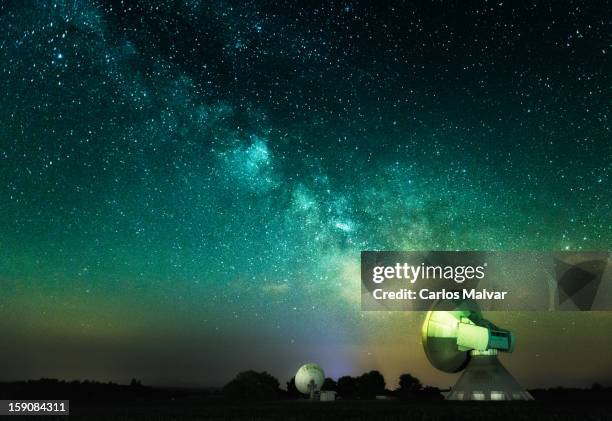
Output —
(346, 410)
(98, 401)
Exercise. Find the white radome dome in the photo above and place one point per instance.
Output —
(309, 373)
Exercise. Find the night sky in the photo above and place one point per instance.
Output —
(186, 186)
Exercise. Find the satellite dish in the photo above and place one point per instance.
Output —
(440, 343)
(309, 379)
(457, 337)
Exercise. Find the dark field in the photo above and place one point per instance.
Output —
(345, 410)
(99, 401)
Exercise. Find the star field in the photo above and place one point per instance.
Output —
(181, 180)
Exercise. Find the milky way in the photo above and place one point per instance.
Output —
(185, 187)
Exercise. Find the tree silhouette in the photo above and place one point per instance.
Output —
(251, 385)
(370, 384)
(292, 391)
(347, 387)
(135, 383)
(409, 384)
(329, 384)
(411, 387)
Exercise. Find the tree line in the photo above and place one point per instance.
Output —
(259, 386)
(252, 385)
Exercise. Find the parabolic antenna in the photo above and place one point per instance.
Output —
(309, 379)
(457, 337)
(440, 343)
